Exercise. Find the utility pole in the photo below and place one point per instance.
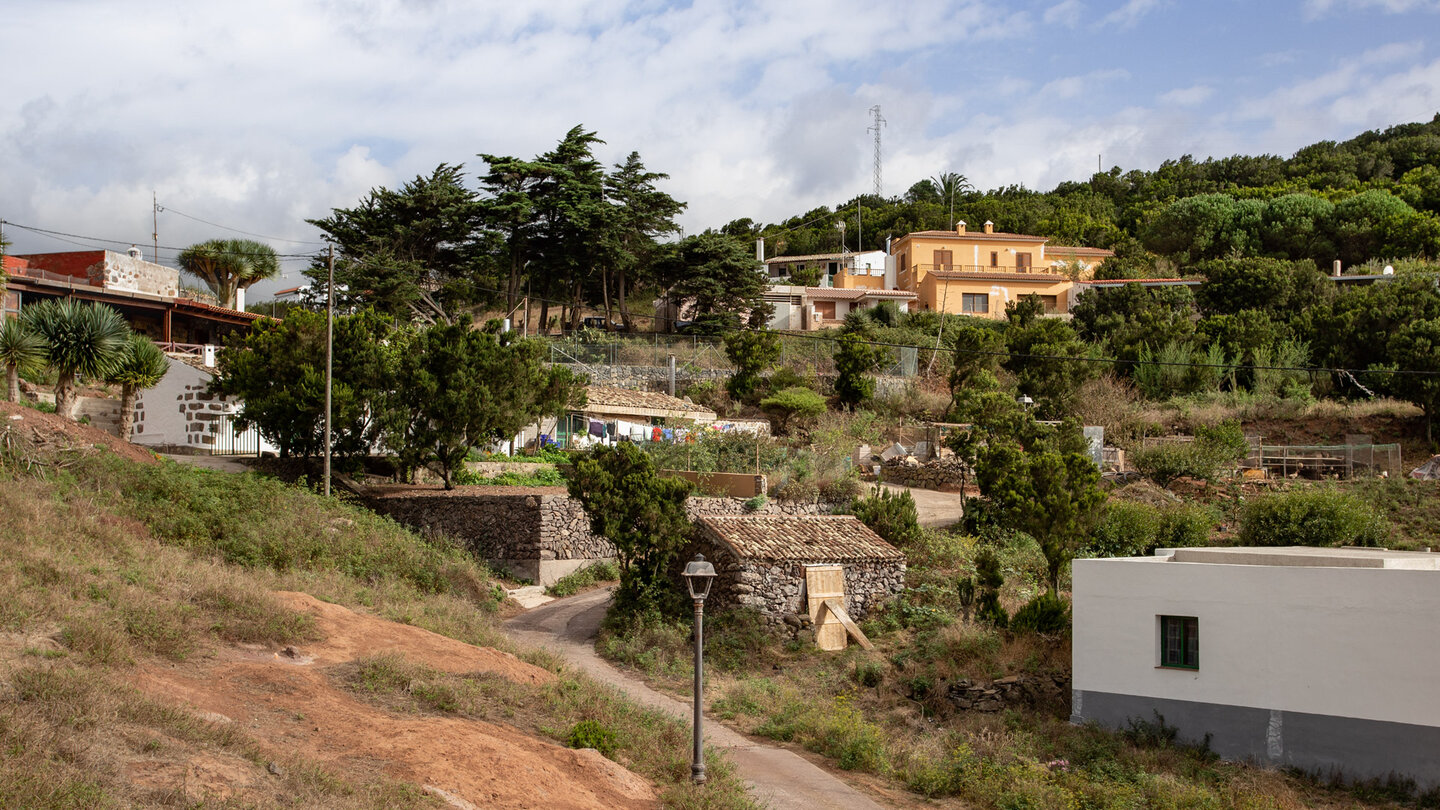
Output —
(329, 360)
(155, 222)
(875, 128)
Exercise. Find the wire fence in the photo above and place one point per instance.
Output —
(706, 353)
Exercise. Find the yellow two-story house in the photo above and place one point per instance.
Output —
(978, 273)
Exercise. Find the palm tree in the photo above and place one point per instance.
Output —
(81, 340)
(949, 184)
(229, 265)
(143, 366)
(20, 350)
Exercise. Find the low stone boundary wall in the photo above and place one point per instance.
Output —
(937, 474)
(534, 533)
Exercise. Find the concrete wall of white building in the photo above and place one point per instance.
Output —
(179, 413)
(1335, 651)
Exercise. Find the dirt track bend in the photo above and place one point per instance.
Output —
(781, 779)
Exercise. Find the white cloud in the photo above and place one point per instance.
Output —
(1066, 13)
(1131, 13)
(1071, 87)
(1315, 9)
(1188, 96)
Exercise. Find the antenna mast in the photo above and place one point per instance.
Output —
(875, 128)
(155, 222)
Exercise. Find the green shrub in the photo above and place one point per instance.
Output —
(1046, 613)
(590, 734)
(578, 581)
(869, 673)
(890, 515)
(1136, 530)
(1310, 517)
(1214, 450)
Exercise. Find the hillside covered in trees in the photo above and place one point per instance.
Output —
(1375, 196)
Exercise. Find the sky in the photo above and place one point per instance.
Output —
(248, 118)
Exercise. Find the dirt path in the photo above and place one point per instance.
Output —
(780, 778)
(937, 509)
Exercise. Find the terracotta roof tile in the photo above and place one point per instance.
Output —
(981, 235)
(604, 398)
(810, 257)
(834, 293)
(800, 538)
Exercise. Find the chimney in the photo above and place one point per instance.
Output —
(989, 226)
(1335, 269)
(134, 252)
(760, 250)
(960, 227)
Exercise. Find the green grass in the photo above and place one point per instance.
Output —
(548, 477)
(585, 578)
(107, 564)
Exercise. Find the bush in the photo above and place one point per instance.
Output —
(590, 734)
(1214, 450)
(893, 517)
(1310, 517)
(1046, 613)
(1136, 530)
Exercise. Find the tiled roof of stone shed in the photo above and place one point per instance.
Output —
(800, 538)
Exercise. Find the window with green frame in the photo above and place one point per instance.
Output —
(1180, 642)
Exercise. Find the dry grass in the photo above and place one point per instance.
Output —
(106, 566)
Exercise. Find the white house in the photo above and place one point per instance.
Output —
(1321, 659)
(180, 413)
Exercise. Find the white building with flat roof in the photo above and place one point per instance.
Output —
(1322, 659)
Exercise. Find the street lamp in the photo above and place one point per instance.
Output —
(698, 576)
(1026, 402)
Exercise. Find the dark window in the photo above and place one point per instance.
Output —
(975, 302)
(1051, 302)
(994, 259)
(1180, 642)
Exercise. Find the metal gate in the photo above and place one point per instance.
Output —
(231, 441)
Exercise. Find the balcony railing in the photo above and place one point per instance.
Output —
(982, 268)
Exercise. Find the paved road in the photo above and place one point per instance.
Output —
(937, 509)
(221, 463)
(781, 779)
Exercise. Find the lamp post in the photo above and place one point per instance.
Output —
(698, 576)
(1025, 402)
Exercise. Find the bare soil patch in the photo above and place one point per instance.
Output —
(47, 431)
(288, 698)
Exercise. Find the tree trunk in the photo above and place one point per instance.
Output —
(544, 318)
(620, 299)
(64, 407)
(127, 411)
(605, 294)
(12, 375)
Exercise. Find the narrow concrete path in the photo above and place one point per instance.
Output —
(936, 509)
(781, 779)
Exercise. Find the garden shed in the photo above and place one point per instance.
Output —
(761, 561)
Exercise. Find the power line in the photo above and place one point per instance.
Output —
(90, 241)
(171, 210)
(1113, 361)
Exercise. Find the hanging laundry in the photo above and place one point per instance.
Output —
(657, 434)
(597, 428)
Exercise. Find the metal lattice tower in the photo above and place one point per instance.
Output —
(875, 128)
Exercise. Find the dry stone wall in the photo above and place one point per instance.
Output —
(513, 527)
(938, 474)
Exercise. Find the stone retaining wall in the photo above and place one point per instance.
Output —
(539, 533)
(937, 474)
(1030, 691)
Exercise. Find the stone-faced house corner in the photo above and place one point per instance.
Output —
(760, 561)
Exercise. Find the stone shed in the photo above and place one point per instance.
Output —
(760, 561)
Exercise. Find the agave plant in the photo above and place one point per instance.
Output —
(228, 265)
(81, 340)
(20, 350)
(143, 366)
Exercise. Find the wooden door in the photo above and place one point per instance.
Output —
(944, 260)
(826, 582)
(1022, 262)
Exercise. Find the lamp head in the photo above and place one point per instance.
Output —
(698, 576)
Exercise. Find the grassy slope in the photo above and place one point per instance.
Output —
(106, 563)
